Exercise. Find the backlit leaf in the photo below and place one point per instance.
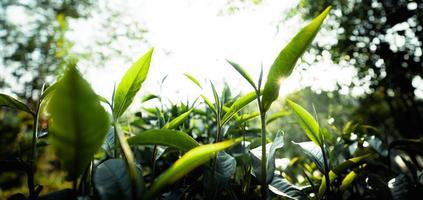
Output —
(78, 122)
(176, 139)
(188, 162)
(178, 120)
(13, 103)
(284, 64)
(130, 84)
(307, 122)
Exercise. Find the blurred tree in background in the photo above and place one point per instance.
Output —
(383, 40)
(32, 37)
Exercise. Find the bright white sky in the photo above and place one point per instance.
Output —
(196, 37)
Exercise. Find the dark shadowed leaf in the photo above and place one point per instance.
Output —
(271, 150)
(282, 187)
(78, 122)
(112, 180)
(314, 153)
(130, 84)
(65, 194)
(8, 101)
(285, 62)
(225, 165)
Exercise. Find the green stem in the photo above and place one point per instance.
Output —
(31, 171)
(130, 162)
(263, 147)
(326, 172)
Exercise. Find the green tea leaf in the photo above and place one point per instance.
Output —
(209, 104)
(78, 122)
(112, 180)
(149, 97)
(194, 80)
(276, 116)
(176, 139)
(284, 64)
(307, 122)
(188, 162)
(130, 84)
(243, 73)
(178, 120)
(346, 182)
(282, 187)
(246, 117)
(237, 106)
(270, 163)
(314, 153)
(11, 102)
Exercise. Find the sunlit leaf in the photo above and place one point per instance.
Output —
(307, 122)
(178, 120)
(284, 64)
(246, 117)
(189, 161)
(243, 73)
(237, 106)
(149, 97)
(78, 122)
(194, 80)
(209, 104)
(346, 182)
(130, 84)
(176, 139)
(8, 101)
(276, 116)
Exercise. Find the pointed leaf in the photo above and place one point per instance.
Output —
(238, 105)
(243, 73)
(178, 120)
(307, 122)
(176, 139)
(284, 64)
(130, 84)
(149, 97)
(78, 122)
(276, 116)
(194, 80)
(188, 162)
(13, 103)
(209, 104)
(346, 182)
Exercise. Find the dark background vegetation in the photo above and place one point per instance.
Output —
(40, 49)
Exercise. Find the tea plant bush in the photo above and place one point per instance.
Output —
(204, 149)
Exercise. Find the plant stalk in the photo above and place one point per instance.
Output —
(263, 147)
(326, 172)
(31, 170)
(130, 162)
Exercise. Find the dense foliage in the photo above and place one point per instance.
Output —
(228, 147)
